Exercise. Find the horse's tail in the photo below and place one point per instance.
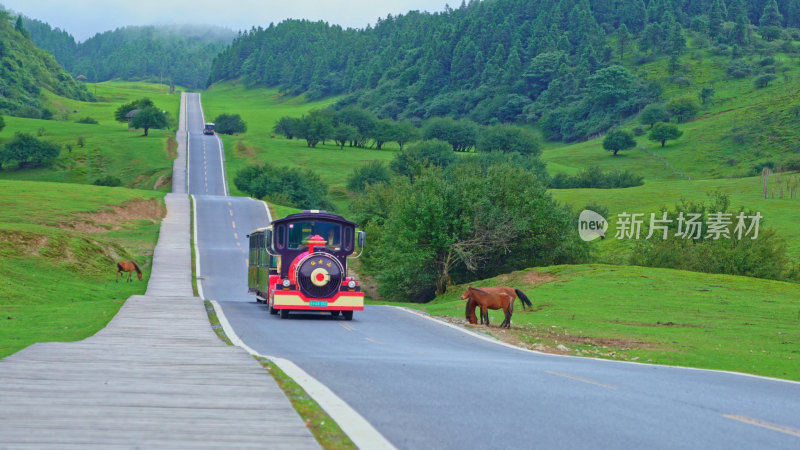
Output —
(139, 271)
(466, 308)
(523, 298)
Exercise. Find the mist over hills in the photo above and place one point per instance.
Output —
(181, 54)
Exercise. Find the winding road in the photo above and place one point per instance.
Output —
(423, 384)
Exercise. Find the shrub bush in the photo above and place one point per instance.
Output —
(738, 68)
(229, 124)
(108, 180)
(373, 172)
(594, 177)
(87, 120)
(302, 188)
(764, 257)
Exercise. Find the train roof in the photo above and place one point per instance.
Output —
(315, 214)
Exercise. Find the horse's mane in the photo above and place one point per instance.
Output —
(139, 271)
(478, 289)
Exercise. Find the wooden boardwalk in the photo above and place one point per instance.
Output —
(156, 377)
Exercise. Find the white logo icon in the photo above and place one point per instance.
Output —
(591, 225)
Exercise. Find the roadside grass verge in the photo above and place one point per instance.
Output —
(109, 149)
(325, 430)
(658, 316)
(58, 247)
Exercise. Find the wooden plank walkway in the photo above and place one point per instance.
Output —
(156, 377)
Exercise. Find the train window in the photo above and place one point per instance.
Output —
(348, 239)
(260, 250)
(299, 232)
(280, 238)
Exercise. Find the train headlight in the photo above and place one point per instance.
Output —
(286, 283)
(351, 284)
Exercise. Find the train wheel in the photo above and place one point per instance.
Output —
(348, 315)
(284, 313)
(335, 313)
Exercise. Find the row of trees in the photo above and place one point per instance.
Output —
(357, 127)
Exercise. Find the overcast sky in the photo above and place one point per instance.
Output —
(84, 18)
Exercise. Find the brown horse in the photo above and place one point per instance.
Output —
(499, 297)
(128, 266)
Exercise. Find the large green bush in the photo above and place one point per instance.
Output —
(27, 151)
(294, 187)
(229, 124)
(470, 221)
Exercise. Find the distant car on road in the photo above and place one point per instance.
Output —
(209, 128)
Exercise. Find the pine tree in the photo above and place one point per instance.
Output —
(740, 33)
(21, 28)
(793, 13)
(771, 16)
(736, 8)
(623, 37)
(513, 67)
(716, 17)
(655, 11)
(633, 14)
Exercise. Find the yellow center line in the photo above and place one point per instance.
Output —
(236, 235)
(346, 327)
(582, 380)
(233, 223)
(374, 340)
(760, 423)
(238, 244)
(231, 212)
(229, 203)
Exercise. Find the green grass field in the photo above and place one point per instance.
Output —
(260, 109)
(651, 315)
(58, 248)
(783, 214)
(110, 149)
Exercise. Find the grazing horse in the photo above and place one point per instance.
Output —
(500, 297)
(128, 266)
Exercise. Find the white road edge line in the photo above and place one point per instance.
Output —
(219, 146)
(197, 252)
(269, 215)
(554, 355)
(188, 150)
(358, 429)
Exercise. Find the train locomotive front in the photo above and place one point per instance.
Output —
(299, 263)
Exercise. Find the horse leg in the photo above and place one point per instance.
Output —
(130, 274)
(118, 276)
(484, 315)
(507, 322)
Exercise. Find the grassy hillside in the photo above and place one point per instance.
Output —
(781, 213)
(58, 248)
(742, 127)
(110, 148)
(260, 109)
(27, 72)
(659, 316)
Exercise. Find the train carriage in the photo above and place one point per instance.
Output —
(299, 263)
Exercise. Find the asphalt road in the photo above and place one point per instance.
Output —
(425, 385)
